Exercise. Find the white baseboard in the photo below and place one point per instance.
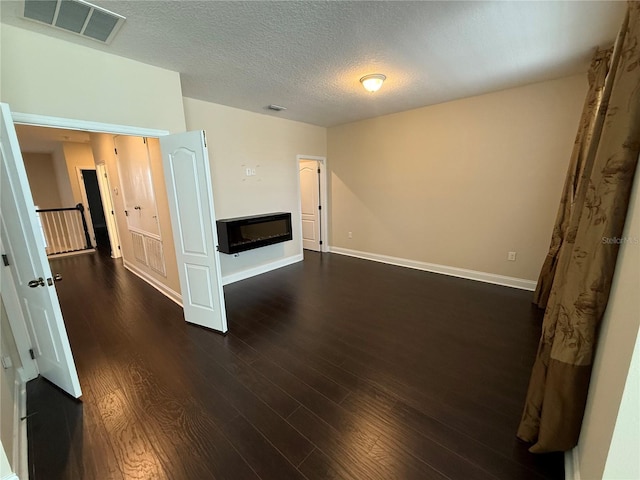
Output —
(572, 464)
(226, 279)
(443, 269)
(162, 288)
(71, 254)
(267, 267)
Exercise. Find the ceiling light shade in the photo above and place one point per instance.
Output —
(373, 82)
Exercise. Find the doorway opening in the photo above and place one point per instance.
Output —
(312, 182)
(49, 162)
(92, 198)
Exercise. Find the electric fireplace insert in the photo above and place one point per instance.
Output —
(246, 233)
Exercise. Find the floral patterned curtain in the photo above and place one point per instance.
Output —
(586, 261)
(589, 131)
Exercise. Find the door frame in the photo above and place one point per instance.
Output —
(85, 203)
(36, 120)
(17, 322)
(109, 211)
(324, 200)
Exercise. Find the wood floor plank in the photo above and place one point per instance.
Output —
(410, 375)
(358, 450)
(133, 448)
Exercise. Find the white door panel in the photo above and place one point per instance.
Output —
(24, 242)
(193, 231)
(186, 167)
(309, 230)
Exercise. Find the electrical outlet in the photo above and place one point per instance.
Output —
(350, 235)
(511, 256)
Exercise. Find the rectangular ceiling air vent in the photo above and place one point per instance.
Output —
(76, 16)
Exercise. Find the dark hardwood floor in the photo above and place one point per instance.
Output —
(333, 368)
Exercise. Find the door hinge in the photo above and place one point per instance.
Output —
(115, 150)
(5, 260)
(320, 242)
(318, 170)
(33, 355)
(118, 247)
(144, 140)
(319, 207)
(105, 174)
(204, 138)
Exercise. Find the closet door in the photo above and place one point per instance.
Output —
(134, 169)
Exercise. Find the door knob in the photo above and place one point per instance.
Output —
(36, 283)
(57, 277)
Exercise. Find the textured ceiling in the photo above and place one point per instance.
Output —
(309, 56)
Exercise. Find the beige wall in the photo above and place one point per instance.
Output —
(62, 177)
(48, 76)
(617, 338)
(237, 140)
(103, 152)
(42, 179)
(77, 156)
(458, 184)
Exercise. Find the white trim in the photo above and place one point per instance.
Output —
(10, 476)
(324, 199)
(85, 202)
(23, 465)
(17, 388)
(73, 124)
(572, 464)
(442, 269)
(71, 254)
(260, 269)
(161, 287)
(109, 209)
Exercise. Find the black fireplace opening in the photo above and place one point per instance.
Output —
(246, 233)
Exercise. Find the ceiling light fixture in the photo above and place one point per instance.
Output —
(373, 82)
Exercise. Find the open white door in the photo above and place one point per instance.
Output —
(30, 271)
(188, 178)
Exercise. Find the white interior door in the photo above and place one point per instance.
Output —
(310, 204)
(189, 191)
(30, 271)
(109, 210)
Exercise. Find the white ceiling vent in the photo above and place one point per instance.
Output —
(75, 16)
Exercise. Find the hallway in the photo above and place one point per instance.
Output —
(332, 368)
